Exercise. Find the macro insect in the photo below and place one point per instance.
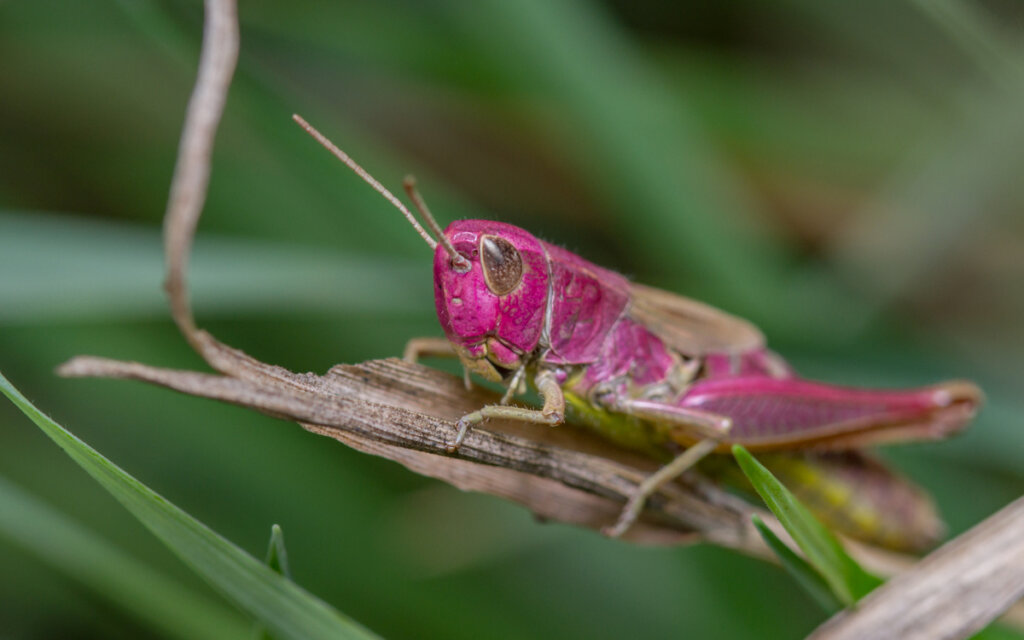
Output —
(667, 375)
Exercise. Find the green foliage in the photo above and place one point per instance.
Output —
(846, 579)
(268, 596)
(109, 270)
(150, 596)
(805, 575)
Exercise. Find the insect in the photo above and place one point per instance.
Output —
(651, 370)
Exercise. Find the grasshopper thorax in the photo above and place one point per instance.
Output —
(492, 310)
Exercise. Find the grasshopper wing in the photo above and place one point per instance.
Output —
(692, 328)
(784, 414)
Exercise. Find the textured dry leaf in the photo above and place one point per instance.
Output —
(406, 412)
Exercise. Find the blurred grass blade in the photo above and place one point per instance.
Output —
(974, 32)
(74, 269)
(643, 151)
(802, 572)
(164, 605)
(286, 609)
(844, 576)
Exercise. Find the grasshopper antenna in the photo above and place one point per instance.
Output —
(370, 180)
(410, 188)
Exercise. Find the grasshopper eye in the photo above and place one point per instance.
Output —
(503, 268)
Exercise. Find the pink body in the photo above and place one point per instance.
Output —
(572, 318)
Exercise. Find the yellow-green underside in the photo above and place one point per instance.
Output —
(833, 499)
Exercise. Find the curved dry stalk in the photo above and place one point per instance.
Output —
(192, 170)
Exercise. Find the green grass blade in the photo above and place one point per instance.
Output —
(976, 34)
(282, 606)
(149, 596)
(844, 576)
(802, 572)
(998, 631)
(277, 556)
(277, 560)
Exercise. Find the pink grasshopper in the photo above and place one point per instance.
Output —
(647, 369)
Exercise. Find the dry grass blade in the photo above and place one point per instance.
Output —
(952, 593)
(406, 413)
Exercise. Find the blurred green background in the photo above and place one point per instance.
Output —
(846, 175)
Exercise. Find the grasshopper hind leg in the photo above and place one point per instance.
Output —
(708, 429)
(655, 481)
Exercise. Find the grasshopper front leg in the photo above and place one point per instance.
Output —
(552, 413)
(417, 348)
(515, 385)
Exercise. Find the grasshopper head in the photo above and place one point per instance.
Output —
(490, 280)
(491, 303)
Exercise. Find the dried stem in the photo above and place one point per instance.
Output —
(192, 170)
(407, 413)
(952, 593)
